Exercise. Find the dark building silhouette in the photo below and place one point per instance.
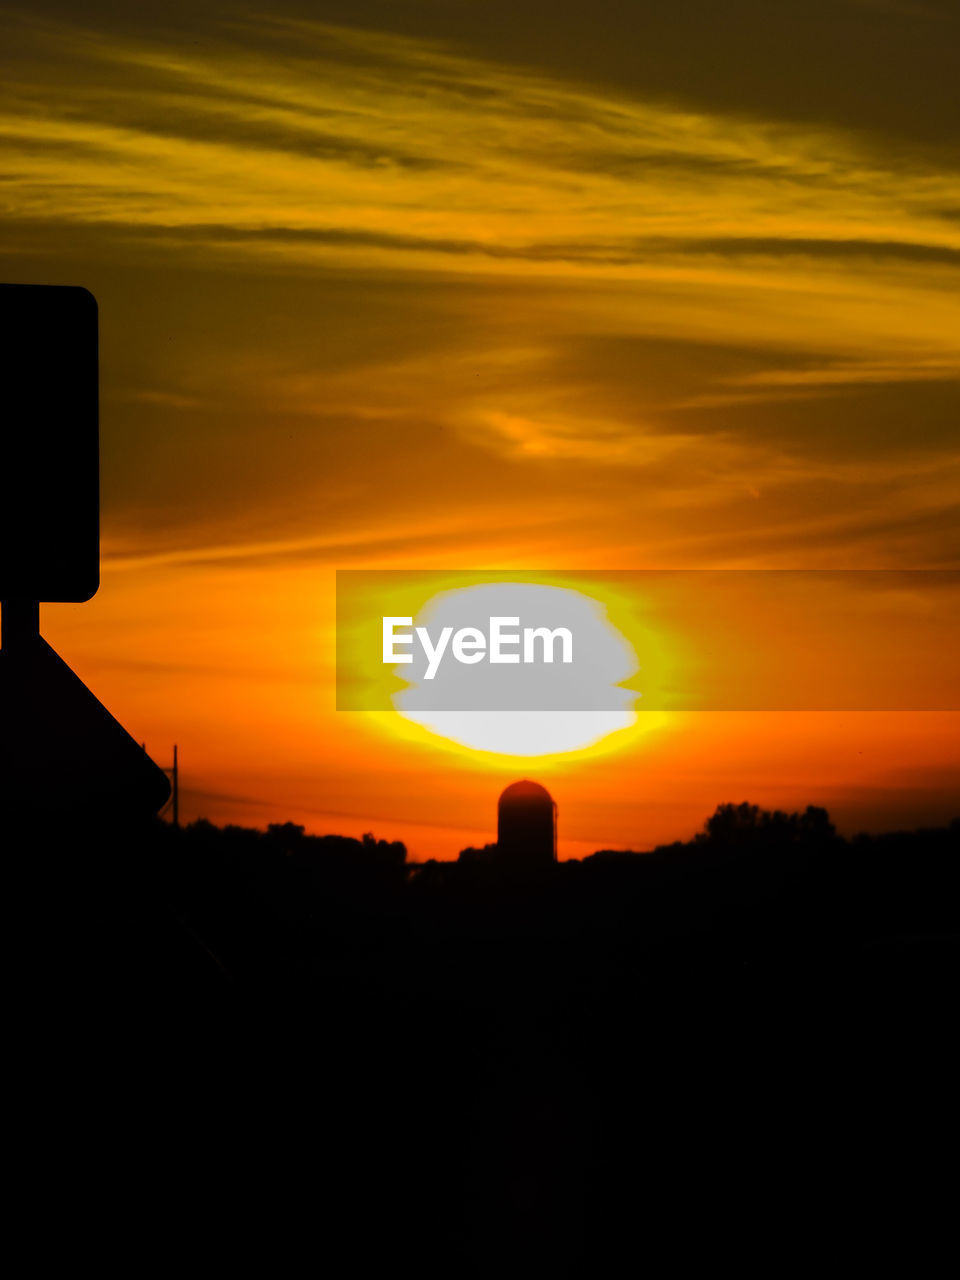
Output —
(62, 754)
(527, 824)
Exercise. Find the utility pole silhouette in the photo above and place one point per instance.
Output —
(174, 774)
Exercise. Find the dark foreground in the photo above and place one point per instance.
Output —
(233, 1048)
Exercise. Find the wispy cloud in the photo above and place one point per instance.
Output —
(469, 269)
(336, 138)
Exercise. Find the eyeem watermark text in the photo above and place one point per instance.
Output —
(470, 645)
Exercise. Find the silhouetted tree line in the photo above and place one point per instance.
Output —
(267, 903)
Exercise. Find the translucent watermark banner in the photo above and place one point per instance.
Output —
(648, 640)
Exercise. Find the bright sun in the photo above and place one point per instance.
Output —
(535, 709)
(524, 733)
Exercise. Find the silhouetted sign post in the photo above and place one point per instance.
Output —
(60, 749)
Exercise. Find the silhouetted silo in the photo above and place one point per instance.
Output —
(527, 824)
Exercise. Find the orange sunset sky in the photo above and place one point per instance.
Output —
(441, 285)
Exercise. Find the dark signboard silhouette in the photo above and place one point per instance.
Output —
(49, 444)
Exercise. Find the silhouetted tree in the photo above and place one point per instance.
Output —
(741, 824)
(472, 856)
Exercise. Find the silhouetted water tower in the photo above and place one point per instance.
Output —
(527, 824)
